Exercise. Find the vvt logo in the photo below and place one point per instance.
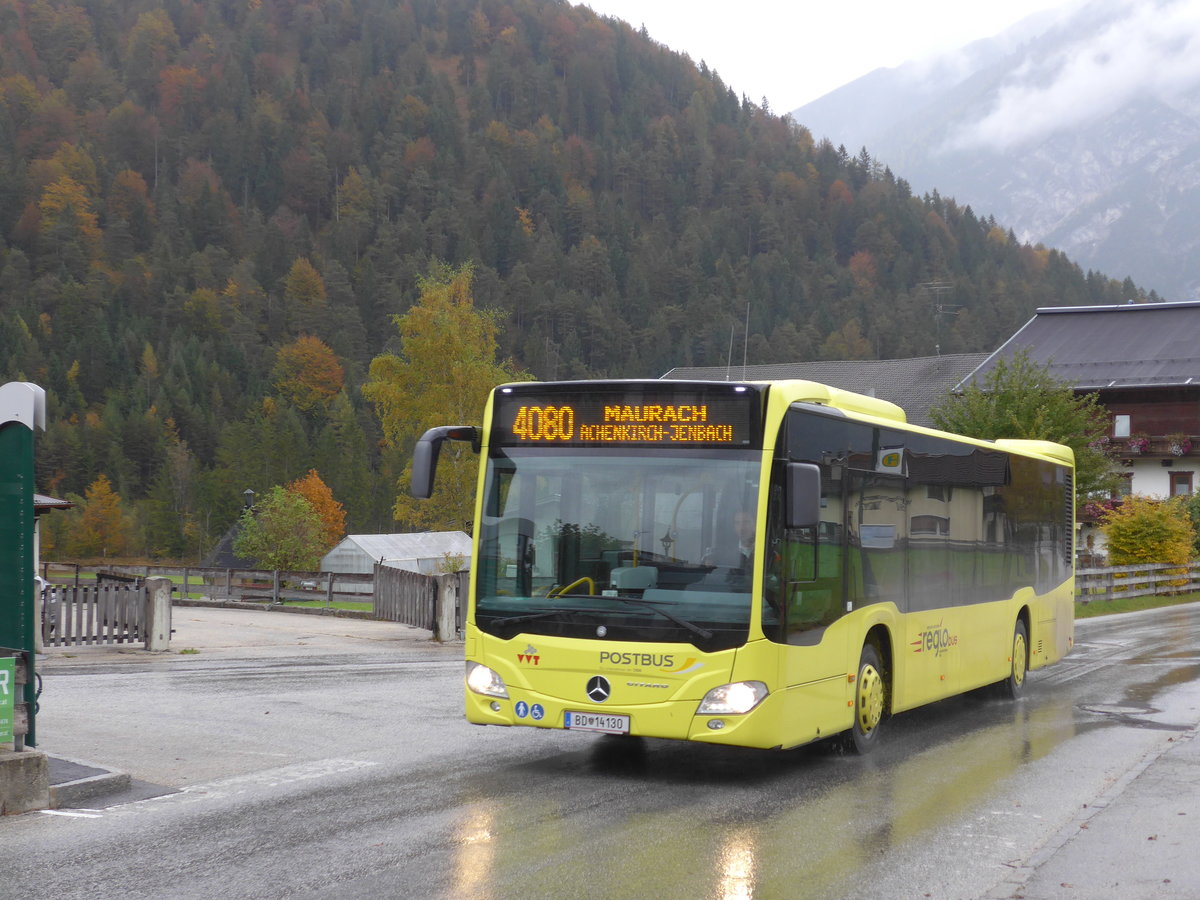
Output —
(529, 656)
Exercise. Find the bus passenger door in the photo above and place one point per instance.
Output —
(804, 602)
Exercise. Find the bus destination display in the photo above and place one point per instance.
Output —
(575, 419)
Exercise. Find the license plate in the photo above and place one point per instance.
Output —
(602, 722)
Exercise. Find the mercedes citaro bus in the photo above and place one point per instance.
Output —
(754, 564)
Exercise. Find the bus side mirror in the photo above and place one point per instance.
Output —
(803, 495)
(425, 455)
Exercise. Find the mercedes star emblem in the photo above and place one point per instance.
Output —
(598, 689)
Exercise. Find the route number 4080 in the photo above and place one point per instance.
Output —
(545, 423)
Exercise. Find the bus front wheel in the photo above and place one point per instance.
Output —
(1013, 686)
(870, 702)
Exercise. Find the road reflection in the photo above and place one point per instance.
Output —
(736, 866)
(475, 860)
(635, 818)
(631, 818)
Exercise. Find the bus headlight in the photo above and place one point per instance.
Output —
(733, 699)
(483, 680)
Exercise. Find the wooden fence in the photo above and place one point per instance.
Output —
(228, 584)
(424, 601)
(405, 597)
(93, 614)
(108, 612)
(1113, 582)
(433, 602)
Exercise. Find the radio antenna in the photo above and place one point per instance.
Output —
(729, 354)
(745, 340)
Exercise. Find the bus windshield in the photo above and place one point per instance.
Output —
(649, 545)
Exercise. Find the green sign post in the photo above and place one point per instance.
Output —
(22, 408)
(8, 690)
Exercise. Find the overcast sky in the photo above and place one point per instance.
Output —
(792, 53)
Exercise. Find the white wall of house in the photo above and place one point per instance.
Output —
(1152, 479)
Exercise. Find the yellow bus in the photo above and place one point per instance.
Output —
(754, 564)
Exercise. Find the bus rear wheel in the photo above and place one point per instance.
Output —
(1013, 686)
(870, 702)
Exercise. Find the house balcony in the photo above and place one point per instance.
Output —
(1154, 446)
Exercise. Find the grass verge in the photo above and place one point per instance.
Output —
(1130, 604)
(337, 604)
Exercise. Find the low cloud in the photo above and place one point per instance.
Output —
(1146, 49)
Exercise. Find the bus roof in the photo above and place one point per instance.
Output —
(789, 391)
(797, 391)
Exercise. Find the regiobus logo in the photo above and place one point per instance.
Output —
(936, 640)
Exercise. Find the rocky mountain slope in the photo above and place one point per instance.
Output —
(1078, 128)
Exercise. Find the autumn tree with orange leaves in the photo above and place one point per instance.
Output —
(320, 497)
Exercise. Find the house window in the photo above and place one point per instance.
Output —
(930, 525)
(1124, 485)
(1120, 426)
(1181, 484)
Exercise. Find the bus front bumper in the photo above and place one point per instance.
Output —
(673, 720)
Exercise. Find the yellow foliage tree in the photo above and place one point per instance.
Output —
(78, 165)
(307, 300)
(308, 373)
(304, 283)
(66, 215)
(441, 377)
(354, 200)
(1143, 530)
(848, 342)
(101, 529)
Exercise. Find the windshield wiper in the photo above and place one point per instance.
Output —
(544, 614)
(703, 633)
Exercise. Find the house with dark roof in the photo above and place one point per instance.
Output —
(915, 385)
(1143, 361)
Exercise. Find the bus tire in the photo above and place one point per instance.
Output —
(1013, 686)
(870, 702)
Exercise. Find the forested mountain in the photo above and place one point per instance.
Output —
(210, 212)
(1079, 128)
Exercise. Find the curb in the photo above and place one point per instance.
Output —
(73, 782)
(1023, 871)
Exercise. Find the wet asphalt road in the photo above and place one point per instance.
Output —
(335, 761)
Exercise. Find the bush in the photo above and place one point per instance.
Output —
(1192, 504)
(1147, 530)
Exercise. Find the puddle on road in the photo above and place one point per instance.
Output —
(689, 820)
(711, 822)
